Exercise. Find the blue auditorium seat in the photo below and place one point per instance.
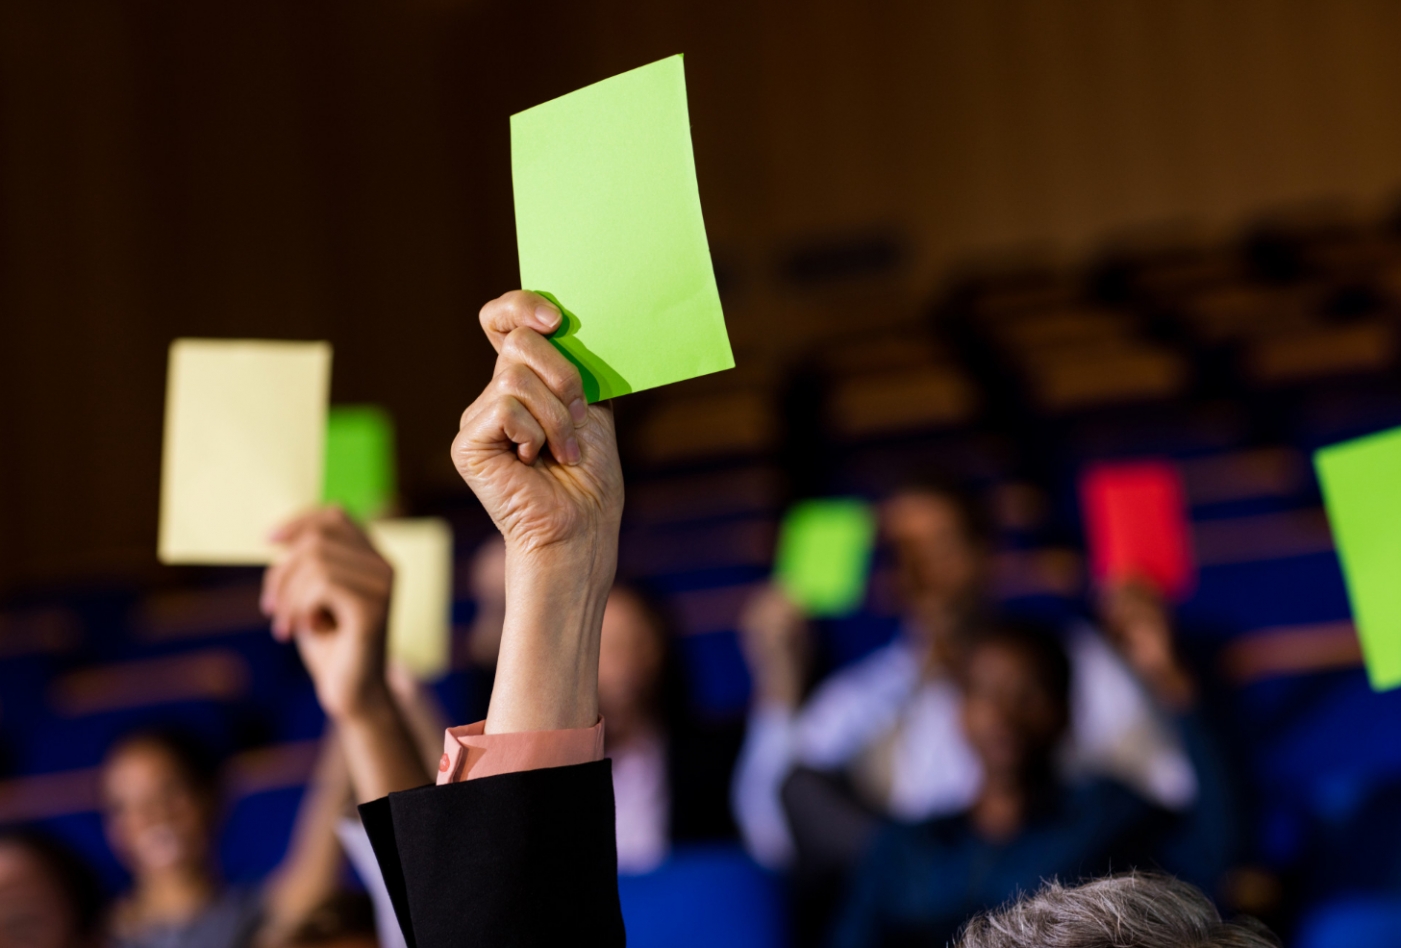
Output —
(1355, 922)
(703, 897)
(256, 833)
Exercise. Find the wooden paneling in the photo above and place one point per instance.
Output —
(341, 170)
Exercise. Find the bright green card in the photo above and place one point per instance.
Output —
(359, 460)
(608, 225)
(824, 554)
(1361, 483)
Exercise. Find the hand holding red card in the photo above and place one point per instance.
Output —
(1136, 526)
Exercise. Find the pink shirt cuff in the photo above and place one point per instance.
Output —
(469, 754)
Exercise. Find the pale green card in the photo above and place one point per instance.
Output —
(1361, 483)
(608, 224)
(359, 460)
(824, 554)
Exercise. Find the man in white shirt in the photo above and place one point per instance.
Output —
(888, 724)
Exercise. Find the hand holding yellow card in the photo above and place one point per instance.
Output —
(245, 425)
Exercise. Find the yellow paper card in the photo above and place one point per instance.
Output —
(245, 428)
(420, 608)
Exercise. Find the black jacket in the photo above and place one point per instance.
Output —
(521, 859)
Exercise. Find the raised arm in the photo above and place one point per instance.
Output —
(545, 466)
(330, 594)
(522, 851)
(1203, 838)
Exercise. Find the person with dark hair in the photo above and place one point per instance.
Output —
(887, 726)
(160, 810)
(49, 897)
(920, 882)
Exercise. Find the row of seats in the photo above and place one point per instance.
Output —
(1235, 361)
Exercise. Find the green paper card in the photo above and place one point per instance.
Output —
(824, 554)
(608, 225)
(359, 460)
(1361, 483)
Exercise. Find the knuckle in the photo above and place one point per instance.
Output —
(516, 347)
(514, 378)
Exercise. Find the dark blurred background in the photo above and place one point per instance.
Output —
(1005, 237)
(341, 171)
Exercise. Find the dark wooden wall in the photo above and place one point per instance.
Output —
(340, 169)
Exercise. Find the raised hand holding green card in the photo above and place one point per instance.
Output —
(609, 227)
(824, 554)
(1361, 483)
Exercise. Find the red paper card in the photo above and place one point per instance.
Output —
(1136, 525)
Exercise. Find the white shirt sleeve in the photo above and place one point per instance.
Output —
(1118, 731)
(764, 760)
(356, 843)
(850, 709)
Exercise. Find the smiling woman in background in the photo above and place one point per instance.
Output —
(160, 800)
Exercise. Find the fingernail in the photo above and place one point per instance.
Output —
(571, 451)
(579, 411)
(546, 317)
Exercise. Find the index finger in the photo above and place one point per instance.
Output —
(514, 310)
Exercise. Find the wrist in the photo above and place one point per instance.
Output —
(547, 669)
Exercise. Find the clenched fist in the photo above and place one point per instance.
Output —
(541, 460)
(544, 464)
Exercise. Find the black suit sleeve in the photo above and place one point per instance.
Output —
(523, 859)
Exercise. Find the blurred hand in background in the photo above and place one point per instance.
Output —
(330, 594)
(1136, 620)
(777, 644)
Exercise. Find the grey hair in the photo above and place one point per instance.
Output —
(1135, 910)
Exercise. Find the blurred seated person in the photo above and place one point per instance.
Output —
(49, 897)
(516, 843)
(160, 810)
(889, 722)
(669, 774)
(918, 883)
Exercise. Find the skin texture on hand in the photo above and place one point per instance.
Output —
(330, 594)
(545, 466)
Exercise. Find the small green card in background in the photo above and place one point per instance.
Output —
(1361, 483)
(824, 554)
(609, 226)
(359, 460)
